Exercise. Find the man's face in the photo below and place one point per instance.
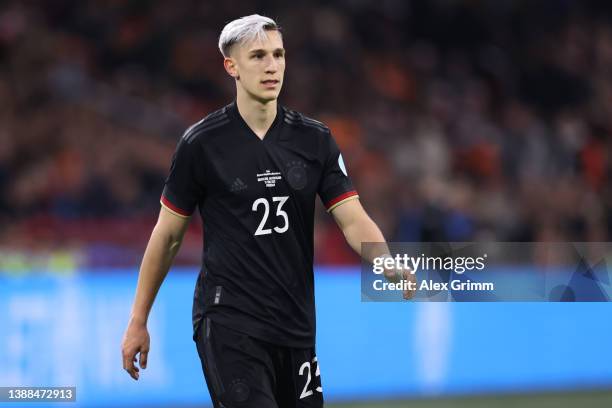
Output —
(260, 66)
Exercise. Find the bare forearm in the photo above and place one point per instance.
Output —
(156, 262)
(359, 228)
(364, 229)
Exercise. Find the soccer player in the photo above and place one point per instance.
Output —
(253, 169)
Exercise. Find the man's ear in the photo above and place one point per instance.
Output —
(230, 67)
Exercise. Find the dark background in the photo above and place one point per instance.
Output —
(458, 120)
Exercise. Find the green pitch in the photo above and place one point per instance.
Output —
(599, 399)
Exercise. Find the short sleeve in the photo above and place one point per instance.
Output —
(335, 186)
(184, 186)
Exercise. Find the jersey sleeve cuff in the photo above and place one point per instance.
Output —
(341, 199)
(173, 208)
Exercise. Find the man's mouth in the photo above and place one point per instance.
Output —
(270, 82)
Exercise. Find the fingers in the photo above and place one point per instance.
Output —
(135, 341)
(128, 364)
(143, 358)
(409, 294)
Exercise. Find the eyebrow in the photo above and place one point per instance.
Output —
(258, 50)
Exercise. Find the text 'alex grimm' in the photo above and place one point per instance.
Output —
(457, 265)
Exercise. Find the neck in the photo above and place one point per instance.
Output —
(257, 115)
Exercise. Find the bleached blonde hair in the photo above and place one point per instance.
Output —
(245, 29)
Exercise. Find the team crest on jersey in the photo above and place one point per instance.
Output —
(269, 178)
(297, 175)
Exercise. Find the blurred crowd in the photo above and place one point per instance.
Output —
(458, 120)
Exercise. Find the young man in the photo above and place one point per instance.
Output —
(254, 169)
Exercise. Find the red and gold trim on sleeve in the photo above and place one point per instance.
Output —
(341, 199)
(172, 208)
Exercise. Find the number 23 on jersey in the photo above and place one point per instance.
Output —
(261, 230)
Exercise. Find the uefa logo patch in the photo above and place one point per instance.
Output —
(341, 164)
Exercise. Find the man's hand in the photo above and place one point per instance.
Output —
(136, 340)
(398, 275)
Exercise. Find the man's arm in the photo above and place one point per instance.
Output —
(163, 245)
(358, 227)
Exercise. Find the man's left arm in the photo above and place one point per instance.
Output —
(358, 227)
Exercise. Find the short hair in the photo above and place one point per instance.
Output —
(245, 29)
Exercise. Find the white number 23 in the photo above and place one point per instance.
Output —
(279, 213)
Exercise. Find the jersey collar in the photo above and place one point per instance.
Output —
(272, 132)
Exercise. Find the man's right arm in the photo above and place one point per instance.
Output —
(163, 245)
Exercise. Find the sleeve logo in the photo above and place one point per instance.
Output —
(341, 164)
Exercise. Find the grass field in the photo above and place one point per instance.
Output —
(599, 399)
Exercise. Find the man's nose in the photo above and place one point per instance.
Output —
(272, 65)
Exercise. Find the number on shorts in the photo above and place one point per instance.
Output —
(307, 366)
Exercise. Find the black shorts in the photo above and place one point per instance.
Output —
(244, 372)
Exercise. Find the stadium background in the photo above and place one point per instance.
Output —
(459, 120)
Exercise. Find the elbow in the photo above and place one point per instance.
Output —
(172, 240)
(361, 230)
(174, 246)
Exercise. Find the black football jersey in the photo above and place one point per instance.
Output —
(257, 201)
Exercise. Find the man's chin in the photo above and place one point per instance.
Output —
(262, 96)
(267, 98)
